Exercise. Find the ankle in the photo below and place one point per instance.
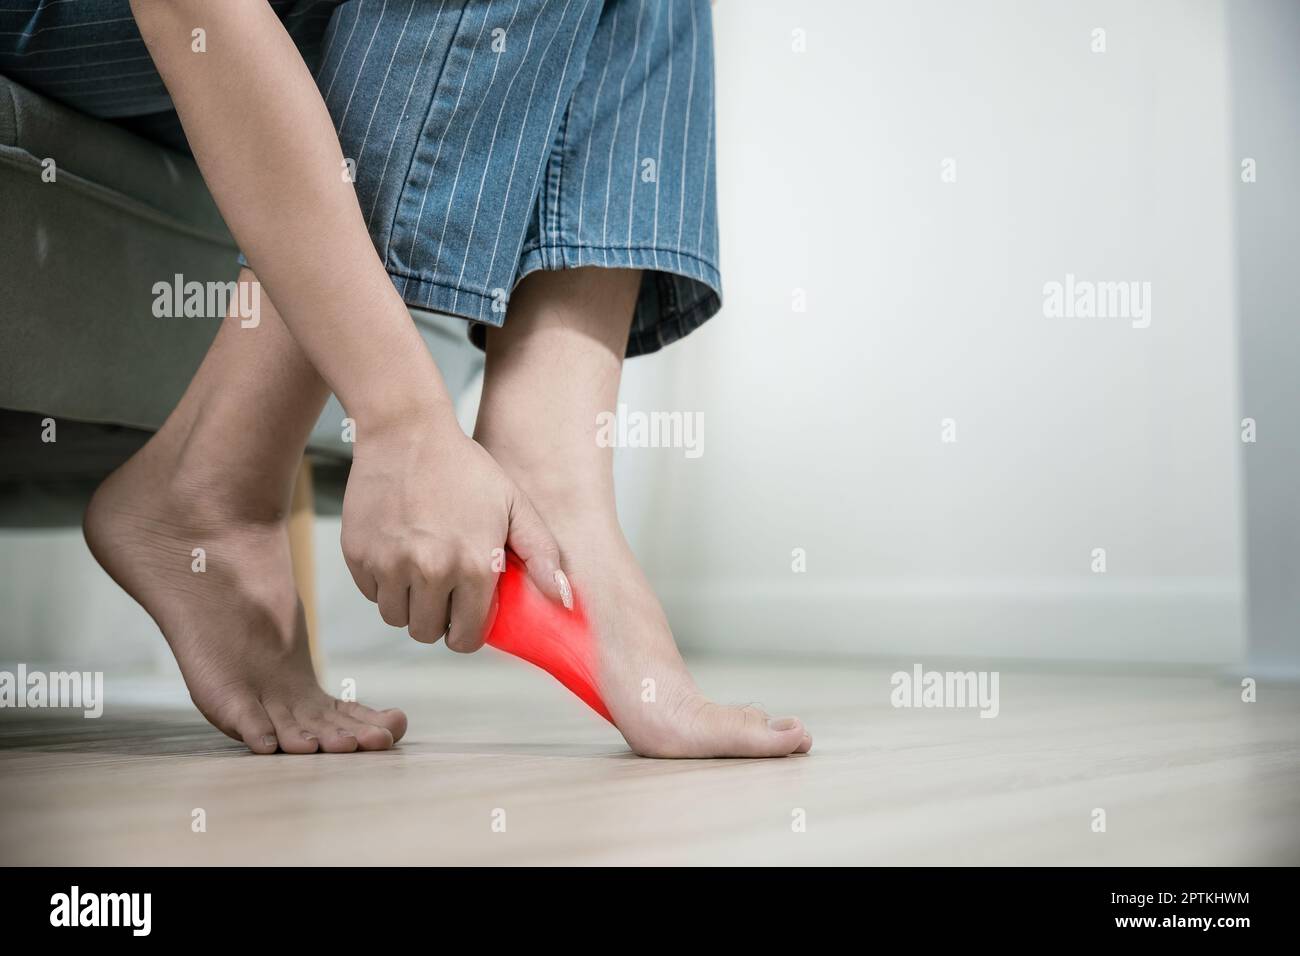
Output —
(558, 485)
(575, 515)
(210, 488)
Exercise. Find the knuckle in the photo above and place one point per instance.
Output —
(429, 568)
(462, 646)
(476, 570)
(366, 559)
(427, 561)
(548, 553)
(462, 642)
(422, 635)
(389, 567)
(478, 563)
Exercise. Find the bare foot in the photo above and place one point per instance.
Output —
(638, 674)
(552, 371)
(237, 627)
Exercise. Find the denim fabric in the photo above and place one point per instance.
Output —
(491, 138)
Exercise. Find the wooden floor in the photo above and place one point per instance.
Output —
(1186, 773)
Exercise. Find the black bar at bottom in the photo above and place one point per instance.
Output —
(354, 907)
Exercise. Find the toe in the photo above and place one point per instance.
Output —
(392, 720)
(331, 732)
(715, 730)
(368, 736)
(337, 740)
(248, 721)
(753, 734)
(293, 737)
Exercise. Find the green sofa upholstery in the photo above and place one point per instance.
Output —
(78, 338)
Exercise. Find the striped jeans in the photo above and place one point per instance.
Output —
(491, 138)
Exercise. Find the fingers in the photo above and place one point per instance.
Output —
(364, 580)
(470, 606)
(456, 598)
(428, 608)
(438, 595)
(529, 538)
(411, 594)
(394, 602)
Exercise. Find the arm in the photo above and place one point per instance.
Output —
(425, 506)
(264, 141)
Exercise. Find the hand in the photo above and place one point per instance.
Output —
(426, 515)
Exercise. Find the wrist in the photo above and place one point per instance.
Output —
(396, 417)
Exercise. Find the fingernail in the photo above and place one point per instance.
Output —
(269, 741)
(782, 723)
(566, 592)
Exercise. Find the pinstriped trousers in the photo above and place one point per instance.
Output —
(491, 138)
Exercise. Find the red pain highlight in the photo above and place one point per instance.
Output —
(536, 629)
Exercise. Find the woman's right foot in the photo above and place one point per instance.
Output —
(552, 372)
(236, 627)
(632, 659)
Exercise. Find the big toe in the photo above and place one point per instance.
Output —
(292, 736)
(749, 732)
(247, 720)
(715, 730)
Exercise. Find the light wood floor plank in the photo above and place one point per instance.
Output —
(1186, 772)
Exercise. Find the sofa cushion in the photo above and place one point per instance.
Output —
(83, 252)
(100, 158)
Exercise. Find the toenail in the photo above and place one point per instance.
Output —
(345, 733)
(783, 723)
(269, 741)
(307, 736)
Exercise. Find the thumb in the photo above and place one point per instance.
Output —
(529, 538)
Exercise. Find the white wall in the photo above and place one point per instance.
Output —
(925, 302)
(822, 428)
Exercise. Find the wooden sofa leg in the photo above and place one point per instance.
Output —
(302, 518)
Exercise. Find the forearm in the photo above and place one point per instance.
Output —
(265, 143)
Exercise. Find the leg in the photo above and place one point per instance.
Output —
(302, 518)
(551, 370)
(218, 476)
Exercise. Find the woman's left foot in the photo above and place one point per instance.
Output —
(235, 625)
